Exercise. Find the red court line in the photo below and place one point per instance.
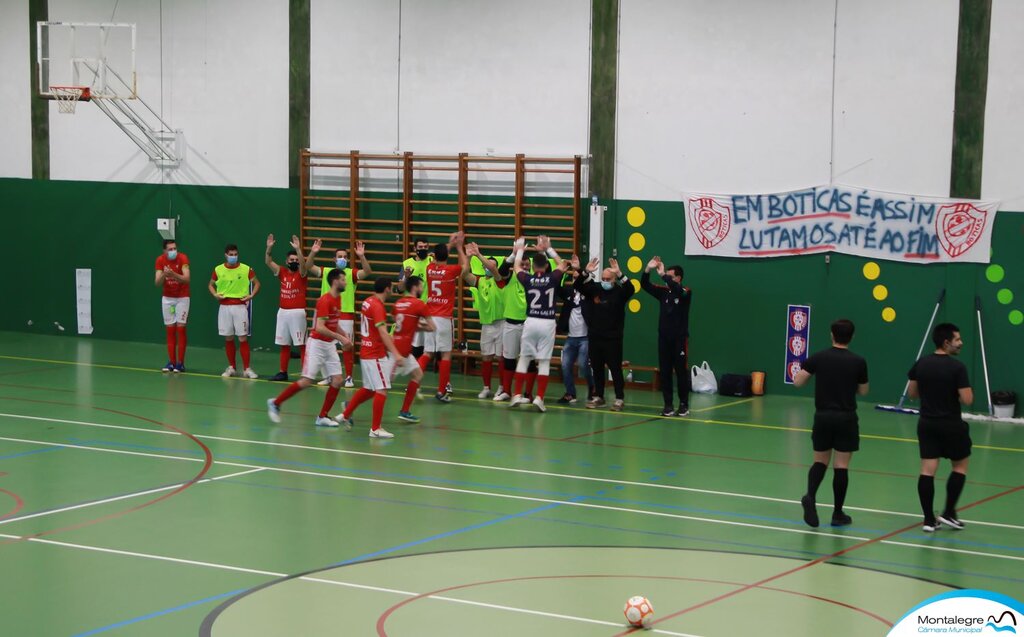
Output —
(615, 428)
(820, 215)
(813, 562)
(207, 463)
(19, 504)
(381, 632)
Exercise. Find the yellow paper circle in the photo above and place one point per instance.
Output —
(880, 292)
(888, 315)
(636, 216)
(634, 305)
(637, 242)
(636, 285)
(634, 264)
(871, 271)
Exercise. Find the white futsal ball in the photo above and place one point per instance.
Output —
(639, 612)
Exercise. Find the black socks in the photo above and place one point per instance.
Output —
(840, 481)
(926, 492)
(954, 486)
(814, 478)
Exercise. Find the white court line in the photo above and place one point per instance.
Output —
(378, 589)
(952, 550)
(504, 496)
(468, 465)
(122, 497)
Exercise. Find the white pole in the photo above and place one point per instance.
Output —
(984, 360)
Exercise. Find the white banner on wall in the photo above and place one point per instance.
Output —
(845, 219)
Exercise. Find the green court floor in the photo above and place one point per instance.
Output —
(138, 503)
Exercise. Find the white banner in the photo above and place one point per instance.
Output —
(843, 219)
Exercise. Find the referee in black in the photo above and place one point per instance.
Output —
(941, 383)
(841, 375)
(673, 332)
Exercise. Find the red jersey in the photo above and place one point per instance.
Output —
(373, 315)
(441, 282)
(293, 289)
(173, 288)
(407, 313)
(327, 313)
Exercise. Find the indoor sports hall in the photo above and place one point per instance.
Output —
(588, 317)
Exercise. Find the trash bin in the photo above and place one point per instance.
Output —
(1004, 403)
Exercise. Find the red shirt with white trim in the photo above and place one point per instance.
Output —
(293, 289)
(407, 313)
(173, 288)
(327, 313)
(441, 283)
(373, 315)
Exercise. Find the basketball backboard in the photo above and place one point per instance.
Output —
(97, 55)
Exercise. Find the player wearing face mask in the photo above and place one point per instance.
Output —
(604, 309)
(234, 284)
(416, 266)
(291, 313)
(348, 295)
(172, 274)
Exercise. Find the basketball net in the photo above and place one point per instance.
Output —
(67, 97)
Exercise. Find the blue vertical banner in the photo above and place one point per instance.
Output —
(798, 339)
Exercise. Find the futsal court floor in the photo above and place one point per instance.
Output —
(138, 503)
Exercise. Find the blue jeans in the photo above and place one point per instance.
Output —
(576, 350)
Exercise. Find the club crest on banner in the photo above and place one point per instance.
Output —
(710, 220)
(798, 334)
(959, 226)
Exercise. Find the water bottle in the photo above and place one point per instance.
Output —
(593, 199)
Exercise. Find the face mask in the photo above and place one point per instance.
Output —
(421, 254)
(293, 266)
(172, 255)
(232, 260)
(341, 263)
(607, 285)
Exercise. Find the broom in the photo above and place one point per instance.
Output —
(898, 407)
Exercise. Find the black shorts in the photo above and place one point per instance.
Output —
(837, 430)
(943, 439)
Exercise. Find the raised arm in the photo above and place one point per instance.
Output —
(268, 259)
(656, 291)
(311, 268)
(297, 246)
(364, 265)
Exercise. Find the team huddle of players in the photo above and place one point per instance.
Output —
(516, 299)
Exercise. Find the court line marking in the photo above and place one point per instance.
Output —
(558, 407)
(507, 496)
(318, 580)
(546, 474)
(126, 496)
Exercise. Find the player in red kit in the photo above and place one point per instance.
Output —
(377, 353)
(442, 282)
(410, 314)
(291, 313)
(321, 353)
(172, 273)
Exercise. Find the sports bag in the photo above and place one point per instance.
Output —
(735, 385)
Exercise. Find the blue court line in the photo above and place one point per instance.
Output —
(30, 453)
(159, 613)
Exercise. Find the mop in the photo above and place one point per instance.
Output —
(898, 407)
(984, 366)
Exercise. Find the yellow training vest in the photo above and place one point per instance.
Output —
(232, 283)
(348, 295)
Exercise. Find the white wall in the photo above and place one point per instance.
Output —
(722, 95)
(213, 53)
(895, 77)
(736, 96)
(1003, 170)
(15, 97)
(450, 76)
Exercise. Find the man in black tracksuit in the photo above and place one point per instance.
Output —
(673, 332)
(604, 310)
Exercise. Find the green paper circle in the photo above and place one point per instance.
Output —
(1016, 317)
(995, 273)
(1005, 296)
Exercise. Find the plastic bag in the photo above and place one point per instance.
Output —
(702, 379)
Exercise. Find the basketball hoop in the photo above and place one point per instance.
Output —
(67, 97)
